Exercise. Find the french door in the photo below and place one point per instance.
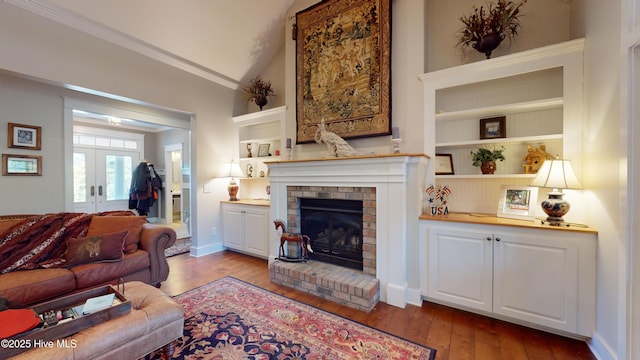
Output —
(101, 178)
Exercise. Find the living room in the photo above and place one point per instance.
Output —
(47, 61)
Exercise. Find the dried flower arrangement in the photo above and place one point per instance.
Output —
(258, 90)
(486, 27)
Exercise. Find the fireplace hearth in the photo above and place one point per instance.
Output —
(335, 229)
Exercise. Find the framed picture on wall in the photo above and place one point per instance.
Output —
(517, 202)
(24, 136)
(343, 69)
(21, 165)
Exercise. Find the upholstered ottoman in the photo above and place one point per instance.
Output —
(155, 321)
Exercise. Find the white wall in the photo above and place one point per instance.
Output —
(605, 168)
(544, 22)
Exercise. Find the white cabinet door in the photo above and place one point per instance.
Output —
(233, 225)
(256, 231)
(536, 279)
(460, 267)
(543, 277)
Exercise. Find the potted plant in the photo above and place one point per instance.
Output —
(486, 27)
(486, 159)
(258, 90)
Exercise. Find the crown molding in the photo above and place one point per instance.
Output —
(80, 23)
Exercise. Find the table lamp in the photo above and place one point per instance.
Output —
(556, 174)
(233, 171)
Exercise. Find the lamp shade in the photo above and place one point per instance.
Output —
(232, 170)
(556, 174)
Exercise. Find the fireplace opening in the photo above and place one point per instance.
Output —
(335, 229)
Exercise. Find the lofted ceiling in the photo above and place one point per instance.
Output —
(225, 41)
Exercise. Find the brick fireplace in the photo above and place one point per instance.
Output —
(390, 187)
(367, 195)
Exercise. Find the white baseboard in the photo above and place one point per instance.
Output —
(601, 349)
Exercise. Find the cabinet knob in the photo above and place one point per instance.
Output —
(488, 238)
(497, 239)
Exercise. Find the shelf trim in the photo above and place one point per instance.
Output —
(263, 140)
(551, 103)
(262, 158)
(275, 114)
(487, 176)
(522, 139)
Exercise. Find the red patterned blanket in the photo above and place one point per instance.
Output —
(40, 241)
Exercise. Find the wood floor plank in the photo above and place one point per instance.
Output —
(454, 334)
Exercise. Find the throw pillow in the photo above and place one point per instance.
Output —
(95, 248)
(106, 224)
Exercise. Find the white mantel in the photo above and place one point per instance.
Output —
(399, 182)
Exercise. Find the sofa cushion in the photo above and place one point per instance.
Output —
(25, 287)
(98, 273)
(95, 248)
(108, 224)
(8, 224)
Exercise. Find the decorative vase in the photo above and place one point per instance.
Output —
(488, 43)
(261, 101)
(488, 167)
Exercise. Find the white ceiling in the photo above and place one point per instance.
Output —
(225, 41)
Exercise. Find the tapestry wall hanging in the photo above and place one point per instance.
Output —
(343, 68)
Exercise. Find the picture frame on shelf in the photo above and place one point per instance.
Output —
(517, 202)
(263, 150)
(444, 164)
(22, 136)
(493, 128)
(21, 165)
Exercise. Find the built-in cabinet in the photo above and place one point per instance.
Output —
(539, 92)
(245, 228)
(529, 273)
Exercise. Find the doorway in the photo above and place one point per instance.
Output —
(177, 190)
(121, 137)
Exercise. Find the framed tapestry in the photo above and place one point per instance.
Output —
(343, 68)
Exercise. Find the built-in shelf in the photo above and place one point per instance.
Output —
(517, 140)
(264, 127)
(526, 106)
(492, 176)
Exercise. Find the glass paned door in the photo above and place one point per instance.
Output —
(102, 179)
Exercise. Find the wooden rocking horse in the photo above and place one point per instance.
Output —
(303, 241)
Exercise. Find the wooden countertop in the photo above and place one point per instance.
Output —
(255, 202)
(490, 219)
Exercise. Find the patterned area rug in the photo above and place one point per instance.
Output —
(231, 319)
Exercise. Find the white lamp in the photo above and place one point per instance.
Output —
(556, 174)
(233, 171)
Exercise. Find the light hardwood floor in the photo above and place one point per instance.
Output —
(455, 334)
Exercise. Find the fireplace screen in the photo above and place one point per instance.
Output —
(335, 229)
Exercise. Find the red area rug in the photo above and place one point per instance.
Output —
(231, 319)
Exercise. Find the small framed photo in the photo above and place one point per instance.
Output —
(444, 164)
(263, 150)
(517, 202)
(493, 128)
(21, 165)
(24, 136)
